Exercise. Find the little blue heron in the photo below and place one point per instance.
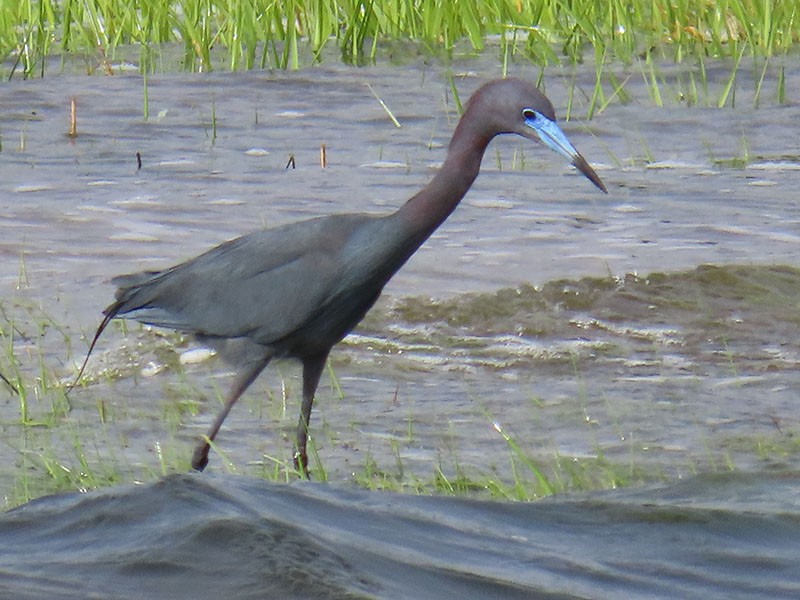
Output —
(297, 290)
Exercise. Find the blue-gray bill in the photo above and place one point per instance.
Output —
(580, 163)
(550, 134)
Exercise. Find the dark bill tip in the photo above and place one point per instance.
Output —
(580, 163)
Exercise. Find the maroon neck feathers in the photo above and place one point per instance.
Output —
(427, 209)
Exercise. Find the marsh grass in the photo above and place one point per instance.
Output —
(736, 161)
(525, 477)
(257, 34)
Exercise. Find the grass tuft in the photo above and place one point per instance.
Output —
(261, 33)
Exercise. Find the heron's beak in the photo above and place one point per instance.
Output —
(550, 134)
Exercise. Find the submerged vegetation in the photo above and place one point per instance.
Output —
(263, 33)
(712, 322)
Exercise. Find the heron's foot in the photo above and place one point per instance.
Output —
(301, 464)
(200, 456)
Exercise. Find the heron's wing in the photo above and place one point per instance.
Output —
(263, 285)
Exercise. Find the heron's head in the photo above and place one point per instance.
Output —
(517, 106)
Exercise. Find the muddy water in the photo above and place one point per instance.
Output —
(568, 366)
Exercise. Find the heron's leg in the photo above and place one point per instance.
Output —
(312, 370)
(241, 382)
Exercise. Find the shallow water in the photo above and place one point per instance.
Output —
(733, 536)
(619, 375)
(585, 326)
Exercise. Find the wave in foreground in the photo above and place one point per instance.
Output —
(200, 536)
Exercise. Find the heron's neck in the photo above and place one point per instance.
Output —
(428, 209)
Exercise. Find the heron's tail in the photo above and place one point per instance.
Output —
(109, 313)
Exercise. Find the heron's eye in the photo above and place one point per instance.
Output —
(530, 114)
